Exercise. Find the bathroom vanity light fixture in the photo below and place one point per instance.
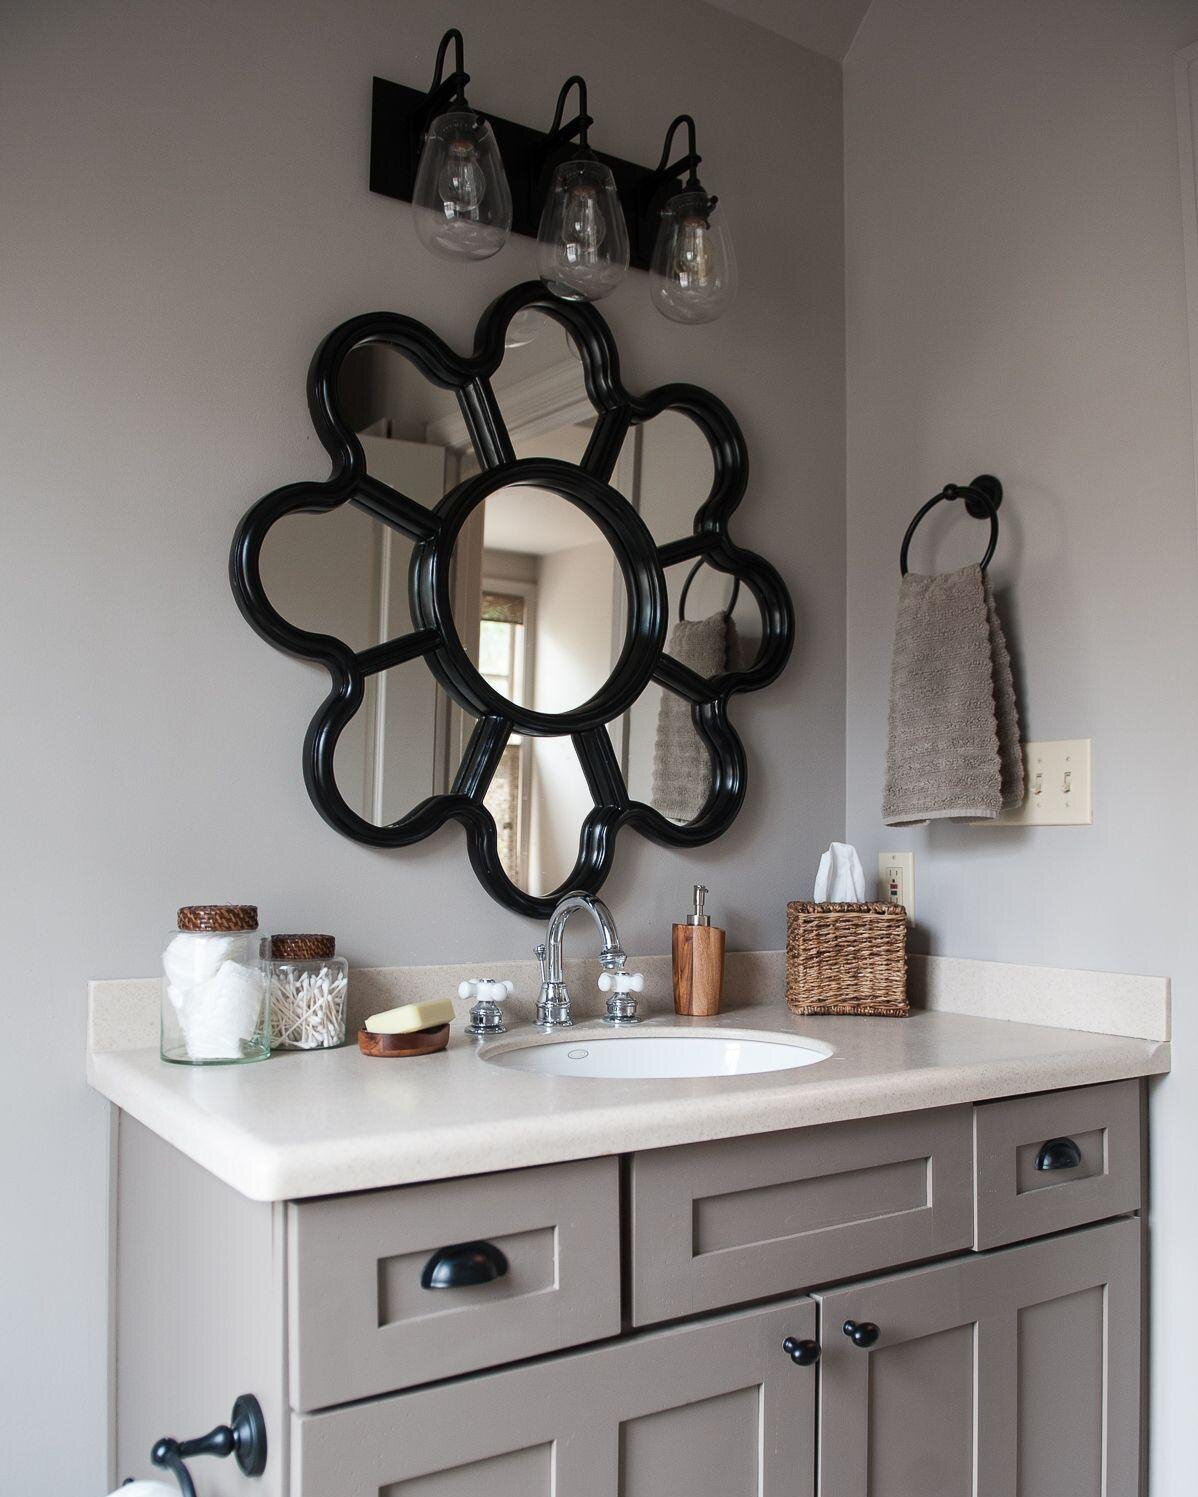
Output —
(461, 196)
(692, 277)
(470, 179)
(582, 240)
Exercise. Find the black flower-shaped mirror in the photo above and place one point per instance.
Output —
(520, 581)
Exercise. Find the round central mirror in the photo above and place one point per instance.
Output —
(538, 599)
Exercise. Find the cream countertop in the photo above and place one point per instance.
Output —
(333, 1121)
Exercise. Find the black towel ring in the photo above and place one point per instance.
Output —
(686, 587)
(982, 498)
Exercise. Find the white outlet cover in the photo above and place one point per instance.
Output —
(896, 876)
(1058, 786)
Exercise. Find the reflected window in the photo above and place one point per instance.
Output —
(501, 644)
(504, 642)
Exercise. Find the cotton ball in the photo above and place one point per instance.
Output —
(222, 1012)
(190, 958)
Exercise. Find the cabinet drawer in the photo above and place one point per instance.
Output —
(721, 1223)
(361, 1323)
(710, 1410)
(1015, 1199)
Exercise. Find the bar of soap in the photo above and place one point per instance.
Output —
(410, 1017)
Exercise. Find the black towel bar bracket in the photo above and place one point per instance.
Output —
(686, 587)
(982, 498)
(244, 1437)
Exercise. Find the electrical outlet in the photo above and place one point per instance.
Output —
(1057, 786)
(896, 880)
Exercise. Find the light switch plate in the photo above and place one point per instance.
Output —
(896, 880)
(1058, 786)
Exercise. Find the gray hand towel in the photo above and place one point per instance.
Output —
(681, 764)
(953, 750)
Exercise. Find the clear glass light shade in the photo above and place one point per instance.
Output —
(692, 276)
(462, 202)
(582, 243)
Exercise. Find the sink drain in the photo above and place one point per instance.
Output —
(577, 1054)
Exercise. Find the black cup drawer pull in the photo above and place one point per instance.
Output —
(861, 1333)
(462, 1264)
(1058, 1154)
(801, 1353)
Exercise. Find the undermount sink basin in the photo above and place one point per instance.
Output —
(660, 1056)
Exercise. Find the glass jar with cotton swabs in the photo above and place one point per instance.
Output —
(215, 987)
(309, 987)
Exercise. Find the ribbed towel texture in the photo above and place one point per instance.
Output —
(681, 764)
(953, 748)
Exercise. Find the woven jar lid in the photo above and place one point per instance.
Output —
(296, 948)
(219, 917)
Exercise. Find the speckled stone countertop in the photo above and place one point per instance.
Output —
(333, 1121)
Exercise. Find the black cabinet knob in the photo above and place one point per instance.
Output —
(801, 1353)
(463, 1264)
(1058, 1154)
(861, 1333)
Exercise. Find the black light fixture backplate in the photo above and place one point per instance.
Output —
(397, 122)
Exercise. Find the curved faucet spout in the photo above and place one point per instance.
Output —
(611, 956)
(553, 1006)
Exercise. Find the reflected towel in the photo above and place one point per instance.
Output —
(953, 750)
(681, 764)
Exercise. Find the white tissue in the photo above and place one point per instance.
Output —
(841, 878)
(145, 1489)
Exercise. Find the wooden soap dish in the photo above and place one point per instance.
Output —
(419, 1042)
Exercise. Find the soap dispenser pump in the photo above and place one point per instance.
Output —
(698, 948)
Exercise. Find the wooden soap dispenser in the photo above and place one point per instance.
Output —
(698, 962)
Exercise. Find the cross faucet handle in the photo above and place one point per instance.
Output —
(620, 988)
(621, 982)
(486, 988)
(486, 1017)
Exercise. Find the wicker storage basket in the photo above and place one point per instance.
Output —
(846, 959)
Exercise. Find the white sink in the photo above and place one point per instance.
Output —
(659, 1056)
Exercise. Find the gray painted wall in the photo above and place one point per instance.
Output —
(1016, 303)
(185, 215)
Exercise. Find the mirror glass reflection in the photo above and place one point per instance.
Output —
(538, 599)
(535, 599)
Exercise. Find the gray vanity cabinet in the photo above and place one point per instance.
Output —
(1009, 1374)
(716, 1409)
(988, 1255)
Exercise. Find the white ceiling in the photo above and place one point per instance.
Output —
(536, 523)
(826, 26)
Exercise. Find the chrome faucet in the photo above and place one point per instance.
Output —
(553, 1006)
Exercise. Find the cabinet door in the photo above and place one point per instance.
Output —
(712, 1410)
(1010, 1374)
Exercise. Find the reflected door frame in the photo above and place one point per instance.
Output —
(388, 583)
(543, 402)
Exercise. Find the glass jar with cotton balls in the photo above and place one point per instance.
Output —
(215, 987)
